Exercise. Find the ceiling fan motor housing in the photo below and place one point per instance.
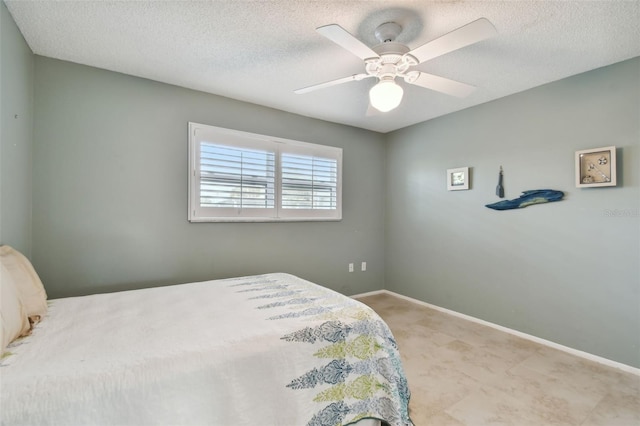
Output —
(392, 60)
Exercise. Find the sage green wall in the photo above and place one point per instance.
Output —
(566, 271)
(110, 190)
(16, 112)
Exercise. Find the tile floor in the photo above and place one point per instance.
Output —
(464, 373)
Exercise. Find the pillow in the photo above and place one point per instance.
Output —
(12, 313)
(27, 283)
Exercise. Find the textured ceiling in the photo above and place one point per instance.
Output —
(261, 51)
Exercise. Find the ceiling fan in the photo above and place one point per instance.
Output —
(391, 59)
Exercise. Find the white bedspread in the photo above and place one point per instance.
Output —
(263, 350)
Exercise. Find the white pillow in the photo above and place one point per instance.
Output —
(27, 283)
(15, 322)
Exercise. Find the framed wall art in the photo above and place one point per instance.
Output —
(596, 167)
(458, 179)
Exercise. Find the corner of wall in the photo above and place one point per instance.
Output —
(16, 145)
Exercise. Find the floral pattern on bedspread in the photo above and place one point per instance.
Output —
(358, 373)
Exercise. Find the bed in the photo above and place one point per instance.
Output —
(269, 349)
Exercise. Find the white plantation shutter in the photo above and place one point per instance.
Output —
(309, 184)
(238, 176)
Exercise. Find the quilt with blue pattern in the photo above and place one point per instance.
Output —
(270, 349)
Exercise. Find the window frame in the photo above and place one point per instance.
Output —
(199, 133)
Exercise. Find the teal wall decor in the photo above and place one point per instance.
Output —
(535, 196)
(500, 188)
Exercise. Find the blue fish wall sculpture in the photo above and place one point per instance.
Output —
(534, 196)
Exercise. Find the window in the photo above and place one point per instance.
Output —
(239, 176)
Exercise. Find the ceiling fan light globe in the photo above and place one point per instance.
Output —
(386, 95)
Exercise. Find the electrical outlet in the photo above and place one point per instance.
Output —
(351, 267)
(364, 266)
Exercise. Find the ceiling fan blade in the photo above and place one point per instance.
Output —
(439, 84)
(342, 37)
(471, 33)
(355, 77)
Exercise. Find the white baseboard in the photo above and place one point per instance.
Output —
(373, 293)
(576, 352)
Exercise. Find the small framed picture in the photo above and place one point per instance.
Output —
(596, 167)
(458, 179)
